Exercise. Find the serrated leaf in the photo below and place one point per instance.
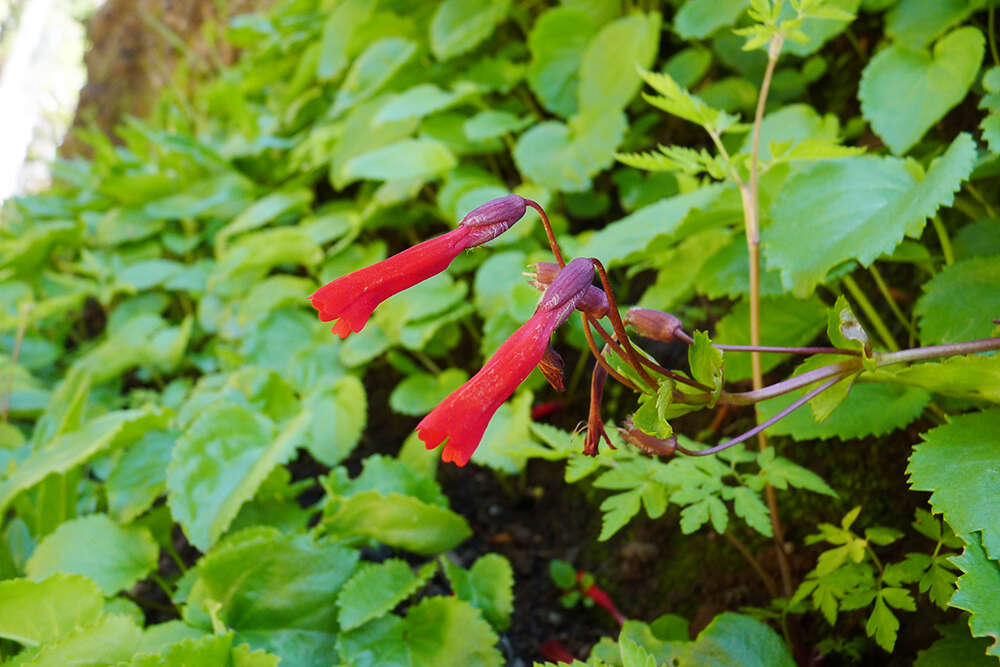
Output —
(107, 640)
(781, 473)
(376, 588)
(679, 102)
(608, 70)
(399, 521)
(959, 302)
(488, 586)
(218, 464)
(617, 511)
(886, 203)
(748, 506)
(459, 26)
(844, 329)
(337, 419)
(882, 625)
(736, 639)
(139, 476)
(449, 631)
(268, 581)
(956, 462)
(955, 646)
(975, 376)
(95, 546)
(706, 362)
(869, 409)
(941, 79)
(976, 592)
(33, 613)
(75, 447)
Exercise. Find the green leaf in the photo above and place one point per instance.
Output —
(492, 124)
(634, 655)
(845, 331)
(687, 67)
(976, 377)
(488, 586)
(565, 157)
(265, 210)
(74, 448)
(419, 393)
(96, 547)
(33, 613)
(706, 364)
(914, 23)
(253, 255)
(268, 581)
(340, 25)
(416, 102)
(617, 511)
(959, 302)
(218, 464)
(399, 521)
(818, 29)
(449, 631)
(459, 26)
(108, 640)
(139, 476)
(940, 79)
(609, 76)
(337, 419)
(869, 409)
(408, 159)
(697, 19)
(372, 70)
(557, 42)
(679, 102)
(748, 506)
(956, 462)
(882, 625)
(633, 233)
(376, 588)
(785, 321)
(856, 208)
(976, 592)
(734, 639)
(562, 573)
(782, 473)
(955, 647)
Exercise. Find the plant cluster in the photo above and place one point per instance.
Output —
(188, 471)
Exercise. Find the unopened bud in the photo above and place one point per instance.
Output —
(569, 285)
(654, 324)
(551, 366)
(647, 443)
(593, 302)
(490, 220)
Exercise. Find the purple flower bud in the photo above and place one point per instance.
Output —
(654, 324)
(594, 301)
(647, 443)
(568, 287)
(490, 220)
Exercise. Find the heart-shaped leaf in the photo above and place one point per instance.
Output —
(904, 91)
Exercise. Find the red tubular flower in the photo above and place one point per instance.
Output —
(602, 599)
(460, 420)
(351, 299)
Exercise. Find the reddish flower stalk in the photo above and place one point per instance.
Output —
(460, 420)
(595, 425)
(602, 599)
(554, 651)
(351, 299)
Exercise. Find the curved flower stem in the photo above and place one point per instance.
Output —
(942, 234)
(767, 349)
(548, 232)
(763, 425)
(938, 351)
(791, 384)
(619, 327)
(587, 321)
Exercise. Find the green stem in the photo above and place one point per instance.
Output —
(978, 196)
(876, 320)
(942, 234)
(993, 42)
(893, 306)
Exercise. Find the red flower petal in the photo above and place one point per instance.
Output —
(351, 299)
(463, 416)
